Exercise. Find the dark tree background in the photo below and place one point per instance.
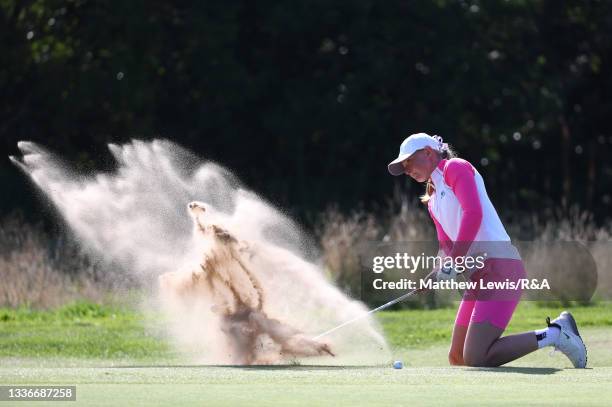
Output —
(308, 101)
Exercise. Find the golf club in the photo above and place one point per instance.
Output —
(387, 305)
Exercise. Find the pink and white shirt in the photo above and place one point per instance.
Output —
(466, 221)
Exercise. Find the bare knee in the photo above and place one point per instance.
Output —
(455, 358)
(477, 351)
(474, 359)
(455, 355)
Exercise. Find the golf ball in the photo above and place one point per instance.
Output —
(398, 364)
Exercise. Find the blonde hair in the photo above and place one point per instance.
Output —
(446, 153)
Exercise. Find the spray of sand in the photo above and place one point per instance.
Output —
(137, 216)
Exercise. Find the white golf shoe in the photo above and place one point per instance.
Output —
(569, 342)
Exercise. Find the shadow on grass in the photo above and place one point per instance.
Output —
(521, 370)
(251, 367)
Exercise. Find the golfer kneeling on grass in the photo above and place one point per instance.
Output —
(465, 218)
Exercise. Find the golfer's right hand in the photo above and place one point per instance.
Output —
(446, 273)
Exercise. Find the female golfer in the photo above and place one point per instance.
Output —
(468, 225)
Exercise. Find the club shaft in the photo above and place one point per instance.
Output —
(387, 305)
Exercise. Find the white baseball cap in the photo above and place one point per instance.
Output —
(411, 145)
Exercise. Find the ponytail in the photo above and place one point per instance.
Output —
(446, 153)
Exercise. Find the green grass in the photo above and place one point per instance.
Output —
(78, 330)
(84, 330)
(321, 386)
(113, 359)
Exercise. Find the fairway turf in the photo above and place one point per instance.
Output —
(418, 338)
(303, 385)
(90, 331)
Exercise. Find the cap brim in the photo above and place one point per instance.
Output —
(395, 167)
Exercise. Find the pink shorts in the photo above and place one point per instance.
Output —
(495, 306)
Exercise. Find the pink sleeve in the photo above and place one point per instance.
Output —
(459, 175)
(446, 244)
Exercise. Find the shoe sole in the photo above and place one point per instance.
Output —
(572, 322)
